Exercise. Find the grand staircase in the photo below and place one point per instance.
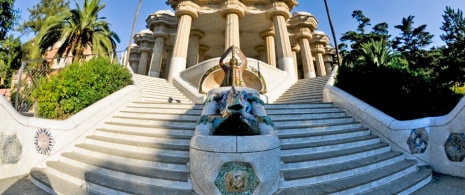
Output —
(144, 149)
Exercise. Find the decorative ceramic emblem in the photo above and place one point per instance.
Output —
(10, 149)
(455, 147)
(418, 141)
(236, 178)
(43, 141)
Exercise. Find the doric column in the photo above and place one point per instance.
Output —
(306, 52)
(232, 12)
(279, 15)
(261, 50)
(295, 49)
(144, 59)
(193, 50)
(134, 58)
(328, 58)
(169, 50)
(157, 54)
(318, 51)
(186, 14)
(269, 37)
(202, 50)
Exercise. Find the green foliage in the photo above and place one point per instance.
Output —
(78, 86)
(40, 12)
(10, 59)
(77, 30)
(453, 26)
(8, 17)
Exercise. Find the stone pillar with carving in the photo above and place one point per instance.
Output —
(269, 37)
(328, 58)
(232, 12)
(194, 45)
(319, 42)
(295, 49)
(157, 55)
(279, 14)
(134, 58)
(185, 12)
(169, 50)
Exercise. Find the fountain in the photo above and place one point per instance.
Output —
(234, 149)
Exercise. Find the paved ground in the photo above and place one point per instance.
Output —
(441, 184)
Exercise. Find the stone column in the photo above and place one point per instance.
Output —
(261, 50)
(185, 14)
(134, 59)
(306, 52)
(269, 37)
(320, 64)
(158, 49)
(279, 15)
(295, 49)
(193, 49)
(202, 50)
(232, 12)
(143, 61)
(169, 49)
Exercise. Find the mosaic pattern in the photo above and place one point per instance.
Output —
(418, 141)
(236, 178)
(10, 149)
(43, 141)
(455, 147)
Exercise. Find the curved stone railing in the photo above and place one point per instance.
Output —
(435, 141)
(27, 142)
(277, 81)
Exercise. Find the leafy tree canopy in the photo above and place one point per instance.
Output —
(8, 17)
(40, 12)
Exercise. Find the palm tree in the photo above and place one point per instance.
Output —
(376, 53)
(76, 31)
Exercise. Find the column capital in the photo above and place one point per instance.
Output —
(296, 48)
(203, 48)
(145, 49)
(279, 8)
(303, 35)
(197, 33)
(318, 50)
(186, 10)
(233, 9)
(267, 33)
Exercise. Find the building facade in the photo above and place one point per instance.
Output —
(200, 30)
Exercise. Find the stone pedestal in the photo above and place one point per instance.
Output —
(219, 163)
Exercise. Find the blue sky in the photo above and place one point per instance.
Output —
(120, 13)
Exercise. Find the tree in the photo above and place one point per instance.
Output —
(40, 12)
(76, 31)
(361, 19)
(453, 26)
(8, 17)
(411, 39)
(10, 58)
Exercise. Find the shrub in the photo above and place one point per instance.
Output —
(78, 86)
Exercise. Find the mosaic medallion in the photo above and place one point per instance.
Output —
(418, 141)
(43, 141)
(236, 178)
(455, 147)
(10, 149)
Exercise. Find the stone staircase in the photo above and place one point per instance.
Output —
(144, 149)
(325, 151)
(304, 91)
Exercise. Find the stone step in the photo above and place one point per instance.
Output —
(332, 157)
(145, 138)
(56, 185)
(308, 91)
(133, 146)
(150, 122)
(170, 162)
(286, 111)
(176, 95)
(118, 169)
(279, 123)
(327, 145)
(298, 106)
(301, 100)
(306, 86)
(315, 175)
(323, 135)
(112, 185)
(300, 95)
(156, 116)
(144, 110)
(406, 184)
(355, 184)
(156, 131)
(160, 105)
(293, 131)
(305, 116)
(166, 100)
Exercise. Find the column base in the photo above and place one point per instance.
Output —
(154, 74)
(177, 65)
(287, 64)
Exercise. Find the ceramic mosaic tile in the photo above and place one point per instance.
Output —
(418, 141)
(10, 149)
(43, 141)
(455, 147)
(237, 178)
